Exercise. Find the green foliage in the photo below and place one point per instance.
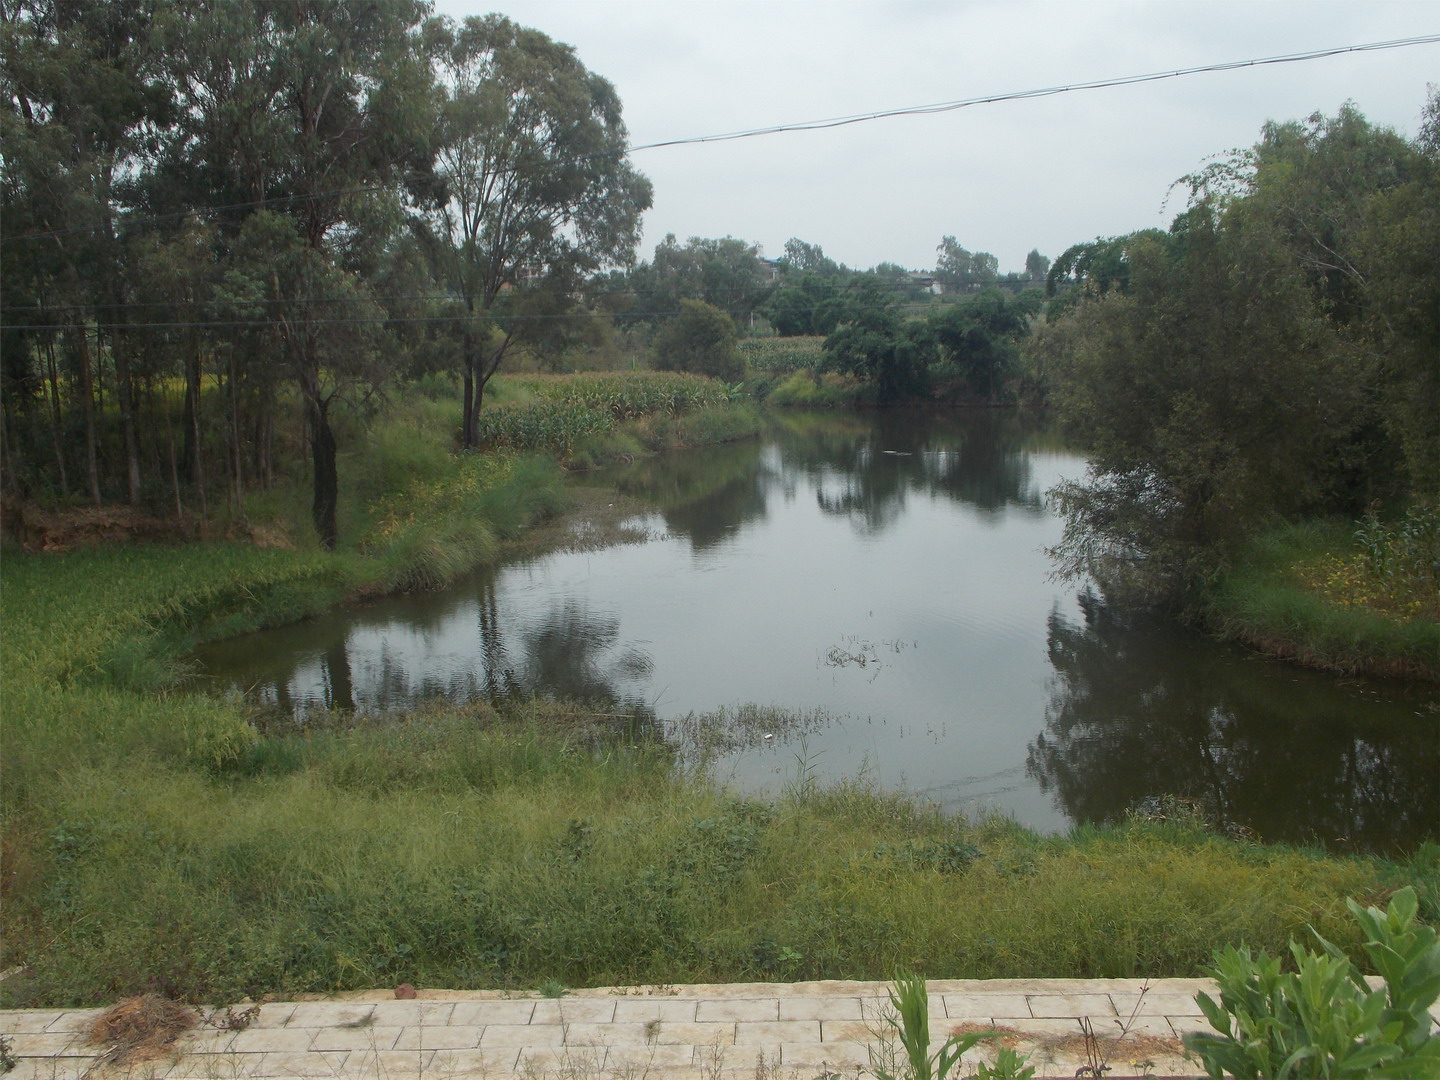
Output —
(629, 394)
(1403, 560)
(1305, 591)
(1009, 1065)
(979, 340)
(1324, 1019)
(781, 356)
(806, 303)
(1258, 362)
(813, 390)
(911, 1024)
(700, 340)
(874, 343)
(132, 116)
(564, 413)
(528, 145)
(725, 273)
(963, 270)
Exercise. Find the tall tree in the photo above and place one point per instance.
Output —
(873, 341)
(537, 189)
(1272, 356)
(1037, 266)
(978, 338)
(346, 110)
(960, 270)
(810, 258)
(725, 273)
(83, 95)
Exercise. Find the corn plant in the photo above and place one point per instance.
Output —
(780, 356)
(911, 1020)
(1323, 1019)
(1402, 561)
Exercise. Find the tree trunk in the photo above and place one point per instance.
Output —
(469, 410)
(79, 346)
(322, 458)
(237, 478)
(52, 372)
(194, 451)
(125, 398)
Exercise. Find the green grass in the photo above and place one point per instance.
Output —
(463, 849)
(155, 839)
(808, 389)
(1287, 596)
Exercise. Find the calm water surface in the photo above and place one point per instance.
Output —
(889, 572)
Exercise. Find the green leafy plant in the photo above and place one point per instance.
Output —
(1009, 1065)
(911, 1023)
(1324, 1019)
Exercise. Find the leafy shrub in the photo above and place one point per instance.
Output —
(1323, 1019)
(701, 340)
(806, 389)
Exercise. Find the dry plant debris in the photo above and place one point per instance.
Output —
(141, 1029)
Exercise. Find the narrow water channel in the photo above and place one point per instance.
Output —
(885, 576)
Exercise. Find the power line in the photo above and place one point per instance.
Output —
(1020, 95)
(855, 280)
(253, 204)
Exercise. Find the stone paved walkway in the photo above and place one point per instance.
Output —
(747, 1031)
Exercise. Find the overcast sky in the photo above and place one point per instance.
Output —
(1006, 177)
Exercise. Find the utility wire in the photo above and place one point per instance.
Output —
(813, 125)
(851, 282)
(1020, 95)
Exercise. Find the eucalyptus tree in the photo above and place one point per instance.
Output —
(83, 98)
(725, 273)
(537, 189)
(959, 269)
(1037, 266)
(307, 122)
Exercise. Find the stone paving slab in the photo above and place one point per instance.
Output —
(735, 1031)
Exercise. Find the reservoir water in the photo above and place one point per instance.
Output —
(884, 576)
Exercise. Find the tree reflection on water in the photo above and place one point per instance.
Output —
(1131, 715)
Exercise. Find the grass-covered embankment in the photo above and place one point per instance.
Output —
(1331, 595)
(158, 840)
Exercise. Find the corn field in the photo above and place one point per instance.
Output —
(780, 356)
(570, 407)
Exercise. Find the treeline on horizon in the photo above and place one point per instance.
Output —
(231, 230)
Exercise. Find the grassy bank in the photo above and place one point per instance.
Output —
(158, 840)
(1315, 593)
(155, 839)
